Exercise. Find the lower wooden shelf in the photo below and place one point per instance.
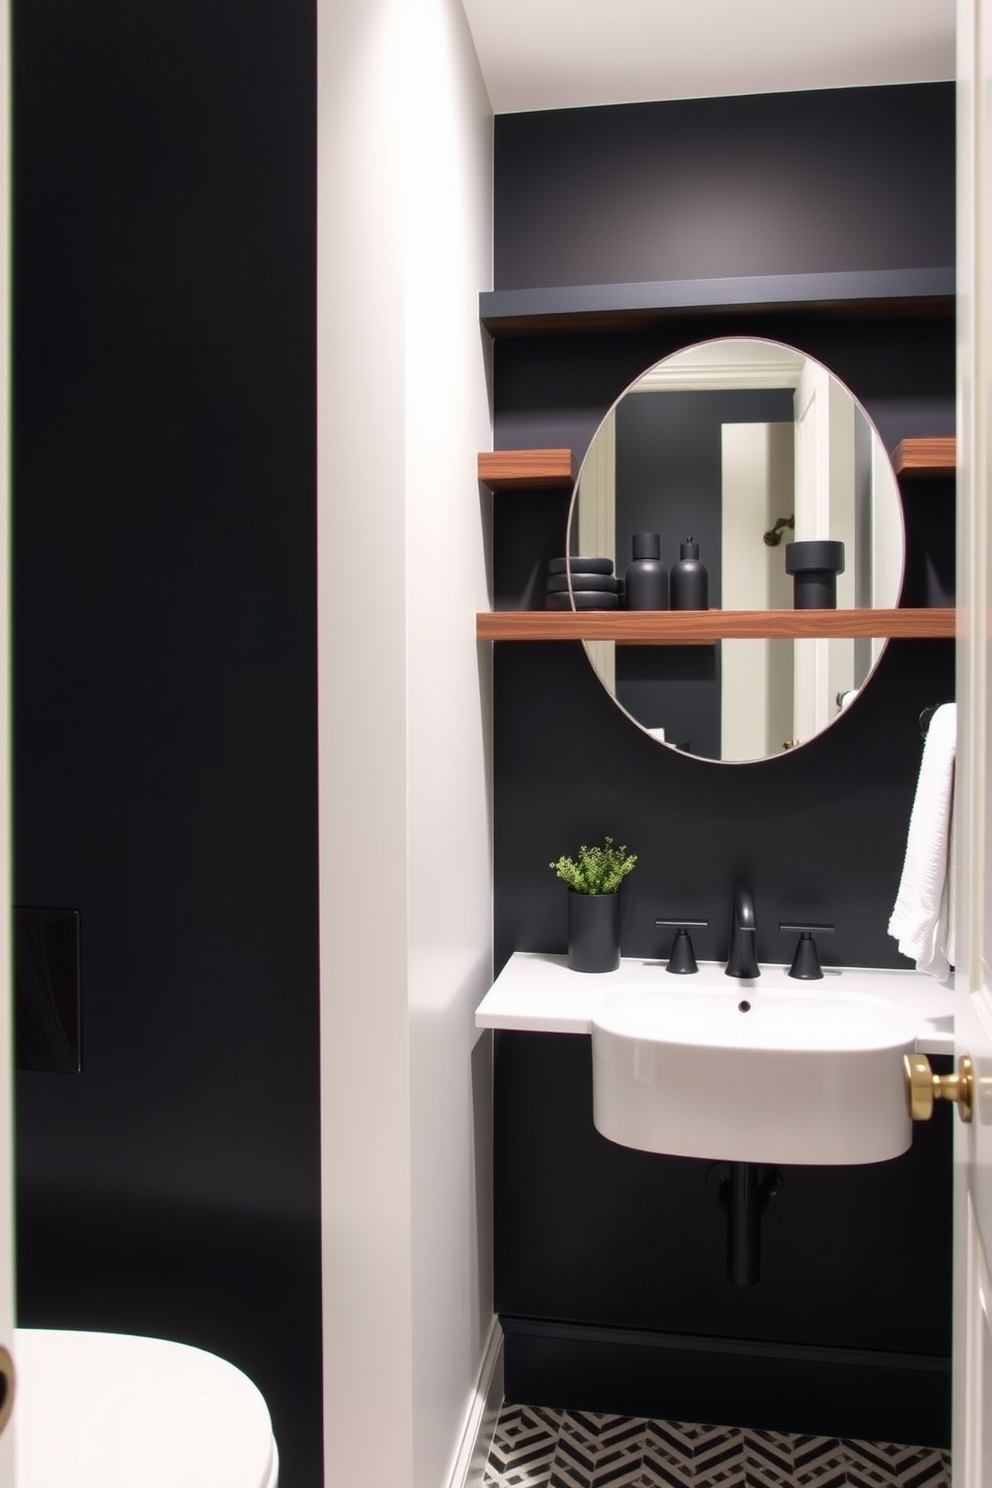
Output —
(696, 627)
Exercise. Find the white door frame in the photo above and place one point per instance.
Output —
(6, 1050)
(972, 1362)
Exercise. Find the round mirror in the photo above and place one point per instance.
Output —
(746, 458)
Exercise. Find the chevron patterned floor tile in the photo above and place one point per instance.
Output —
(684, 1453)
(523, 1450)
(596, 1451)
(768, 1459)
(535, 1447)
(889, 1465)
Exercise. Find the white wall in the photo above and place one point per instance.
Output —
(404, 246)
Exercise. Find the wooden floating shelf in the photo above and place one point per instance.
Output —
(698, 627)
(531, 469)
(521, 470)
(920, 457)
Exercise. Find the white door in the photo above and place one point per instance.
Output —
(6, 1052)
(972, 1440)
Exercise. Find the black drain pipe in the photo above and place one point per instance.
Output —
(745, 1190)
(744, 1225)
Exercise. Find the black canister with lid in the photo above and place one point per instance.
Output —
(689, 580)
(814, 567)
(646, 584)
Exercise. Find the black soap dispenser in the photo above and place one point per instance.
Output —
(646, 586)
(690, 581)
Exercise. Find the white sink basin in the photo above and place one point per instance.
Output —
(732, 1070)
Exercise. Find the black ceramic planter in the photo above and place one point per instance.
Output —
(593, 931)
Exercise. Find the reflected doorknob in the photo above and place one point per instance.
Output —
(923, 1087)
(6, 1386)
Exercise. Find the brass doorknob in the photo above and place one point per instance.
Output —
(923, 1087)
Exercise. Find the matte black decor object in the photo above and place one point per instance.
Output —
(814, 567)
(603, 583)
(593, 931)
(647, 576)
(580, 565)
(585, 599)
(689, 582)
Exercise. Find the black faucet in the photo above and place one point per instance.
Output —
(742, 960)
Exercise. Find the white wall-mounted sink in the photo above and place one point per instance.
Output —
(812, 1074)
(755, 1071)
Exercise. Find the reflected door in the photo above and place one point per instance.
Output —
(825, 509)
(756, 677)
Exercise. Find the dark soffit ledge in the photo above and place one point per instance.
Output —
(607, 307)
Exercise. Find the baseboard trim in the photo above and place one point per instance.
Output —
(481, 1415)
(729, 1382)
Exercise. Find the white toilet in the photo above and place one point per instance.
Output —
(108, 1410)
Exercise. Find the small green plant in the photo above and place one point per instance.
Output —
(596, 870)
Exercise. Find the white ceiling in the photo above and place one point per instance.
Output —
(539, 54)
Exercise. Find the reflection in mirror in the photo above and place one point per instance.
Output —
(743, 446)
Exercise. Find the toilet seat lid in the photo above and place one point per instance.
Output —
(109, 1410)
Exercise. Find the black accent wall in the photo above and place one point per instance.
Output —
(164, 675)
(599, 1249)
(777, 183)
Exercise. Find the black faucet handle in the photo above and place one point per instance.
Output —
(682, 960)
(806, 962)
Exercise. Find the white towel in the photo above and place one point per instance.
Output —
(923, 918)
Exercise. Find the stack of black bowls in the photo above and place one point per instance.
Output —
(594, 586)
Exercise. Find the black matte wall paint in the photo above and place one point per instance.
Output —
(164, 695)
(726, 187)
(818, 833)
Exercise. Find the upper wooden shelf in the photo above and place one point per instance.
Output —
(608, 307)
(522, 470)
(920, 457)
(696, 627)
